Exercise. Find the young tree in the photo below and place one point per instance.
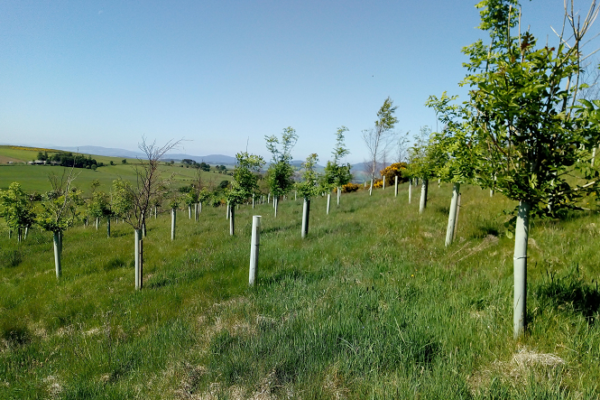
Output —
(100, 207)
(17, 210)
(337, 174)
(457, 152)
(133, 201)
(59, 210)
(378, 139)
(521, 107)
(422, 163)
(281, 172)
(245, 183)
(308, 188)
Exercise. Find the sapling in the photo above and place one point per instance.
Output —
(522, 108)
(308, 188)
(337, 173)
(381, 137)
(280, 172)
(245, 184)
(17, 210)
(132, 203)
(59, 210)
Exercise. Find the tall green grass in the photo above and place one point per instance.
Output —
(370, 305)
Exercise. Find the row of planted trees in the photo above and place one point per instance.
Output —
(134, 203)
(522, 131)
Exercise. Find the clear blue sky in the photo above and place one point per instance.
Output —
(104, 73)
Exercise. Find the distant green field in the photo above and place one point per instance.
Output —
(35, 177)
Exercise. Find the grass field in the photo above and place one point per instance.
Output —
(370, 305)
(35, 177)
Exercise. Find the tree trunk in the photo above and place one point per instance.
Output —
(520, 270)
(139, 259)
(107, 226)
(452, 214)
(305, 216)
(328, 202)
(423, 202)
(231, 221)
(57, 238)
(254, 248)
(173, 222)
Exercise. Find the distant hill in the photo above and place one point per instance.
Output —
(114, 152)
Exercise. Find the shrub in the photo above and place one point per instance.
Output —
(350, 187)
(393, 170)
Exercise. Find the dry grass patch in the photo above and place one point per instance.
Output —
(523, 366)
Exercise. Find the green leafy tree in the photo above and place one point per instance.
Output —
(456, 150)
(308, 188)
(522, 109)
(245, 182)
(336, 173)
(422, 162)
(59, 211)
(16, 208)
(280, 173)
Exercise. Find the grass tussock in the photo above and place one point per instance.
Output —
(370, 305)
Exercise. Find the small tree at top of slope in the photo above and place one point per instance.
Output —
(245, 182)
(336, 173)
(280, 173)
(16, 208)
(381, 137)
(59, 210)
(456, 150)
(308, 188)
(133, 201)
(522, 109)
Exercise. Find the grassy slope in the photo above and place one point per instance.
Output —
(371, 305)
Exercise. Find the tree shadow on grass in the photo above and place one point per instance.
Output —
(569, 291)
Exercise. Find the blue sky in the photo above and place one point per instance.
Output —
(221, 73)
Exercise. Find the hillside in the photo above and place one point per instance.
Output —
(35, 177)
(370, 305)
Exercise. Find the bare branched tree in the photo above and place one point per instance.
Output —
(135, 200)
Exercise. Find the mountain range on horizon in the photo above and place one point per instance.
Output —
(210, 159)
